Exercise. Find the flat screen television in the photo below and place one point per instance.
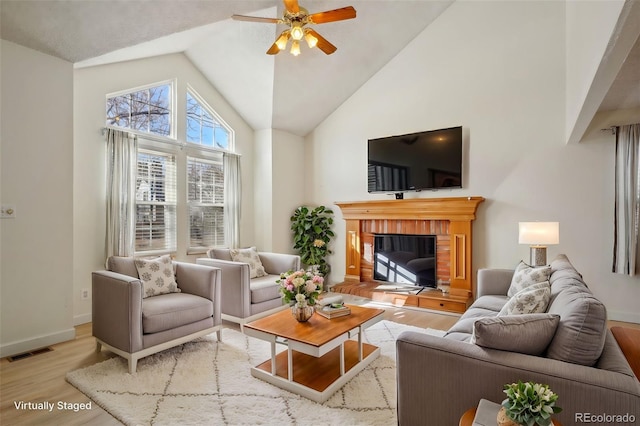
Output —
(416, 161)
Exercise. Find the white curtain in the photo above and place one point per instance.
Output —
(232, 199)
(627, 202)
(121, 188)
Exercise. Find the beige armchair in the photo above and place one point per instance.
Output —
(245, 299)
(134, 327)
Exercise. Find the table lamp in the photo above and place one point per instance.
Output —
(538, 235)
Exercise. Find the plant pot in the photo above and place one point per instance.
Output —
(302, 314)
(504, 420)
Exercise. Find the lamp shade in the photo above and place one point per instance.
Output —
(539, 233)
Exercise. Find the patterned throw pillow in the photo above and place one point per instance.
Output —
(526, 275)
(157, 276)
(250, 256)
(530, 300)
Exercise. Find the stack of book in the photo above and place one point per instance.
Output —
(332, 307)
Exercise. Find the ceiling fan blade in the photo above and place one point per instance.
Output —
(255, 19)
(273, 50)
(323, 43)
(292, 6)
(333, 15)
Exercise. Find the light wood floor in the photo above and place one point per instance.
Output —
(42, 377)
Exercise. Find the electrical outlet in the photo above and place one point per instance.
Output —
(7, 211)
(84, 294)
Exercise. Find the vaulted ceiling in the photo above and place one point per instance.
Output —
(282, 92)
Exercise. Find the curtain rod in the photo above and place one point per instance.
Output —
(182, 145)
(613, 128)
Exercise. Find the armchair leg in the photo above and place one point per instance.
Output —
(98, 346)
(219, 335)
(133, 363)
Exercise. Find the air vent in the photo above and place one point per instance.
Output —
(28, 354)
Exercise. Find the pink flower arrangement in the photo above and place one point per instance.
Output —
(301, 286)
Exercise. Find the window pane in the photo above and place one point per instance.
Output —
(155, 202)
(202, 126)
(146, 110)
(205, 187)
(206, 226)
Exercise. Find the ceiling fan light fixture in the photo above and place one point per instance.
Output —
(282, 40)
(296, 31)
(311, 40)
(295, 48)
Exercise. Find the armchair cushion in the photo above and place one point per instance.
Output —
(170, 311)
(264, 288)
(250, 256)
(157, 276)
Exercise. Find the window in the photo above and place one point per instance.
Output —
(155, 201)
(204, 127)
(147, 110)
(205, 193)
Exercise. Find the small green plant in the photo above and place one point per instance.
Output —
(530, 403)
(312, 234)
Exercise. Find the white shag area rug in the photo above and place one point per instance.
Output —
(205, 382)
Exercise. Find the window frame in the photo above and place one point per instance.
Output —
(152, 149)
(173, 111)
(216, 117)
(205, 157)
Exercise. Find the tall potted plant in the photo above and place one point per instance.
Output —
(311, 236)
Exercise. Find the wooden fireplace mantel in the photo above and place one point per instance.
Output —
(410, 216)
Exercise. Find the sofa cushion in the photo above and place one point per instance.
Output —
(530, 300)
(168, 311)
(157, 276)
(264, 288)
(250, 256)
(581, 332)
(526, 275)
(491, 302)
(528, 334)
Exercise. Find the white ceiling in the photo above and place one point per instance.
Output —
(281, 92)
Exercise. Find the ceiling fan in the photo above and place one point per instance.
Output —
(296, 17)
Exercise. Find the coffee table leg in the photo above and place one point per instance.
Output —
(359, 343)
(273, 358)
(342, 359)
(290, 364)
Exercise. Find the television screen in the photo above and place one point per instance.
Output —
(416, 161)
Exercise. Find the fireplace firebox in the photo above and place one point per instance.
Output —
(405, 259)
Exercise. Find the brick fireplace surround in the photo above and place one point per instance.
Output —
(449, 219)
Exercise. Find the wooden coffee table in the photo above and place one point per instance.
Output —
(320, 356)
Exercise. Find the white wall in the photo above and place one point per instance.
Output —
(498, 69)
(90, 86)
(279, 182)
(36, 304)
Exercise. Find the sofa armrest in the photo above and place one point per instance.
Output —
(439, 379)
(277, 263)
(494, 281)
(117, 310)
(197, 279)
(234, 285)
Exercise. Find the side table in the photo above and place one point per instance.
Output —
(490, 410)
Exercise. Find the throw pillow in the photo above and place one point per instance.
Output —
(157, 276)
(250, 256)
(528, 334)
(526, 275)
(530, 300)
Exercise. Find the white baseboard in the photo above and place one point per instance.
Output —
(81, 319)
(39, 342)
(633, 317)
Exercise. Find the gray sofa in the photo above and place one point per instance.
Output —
(245, 299)
(439, 378)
